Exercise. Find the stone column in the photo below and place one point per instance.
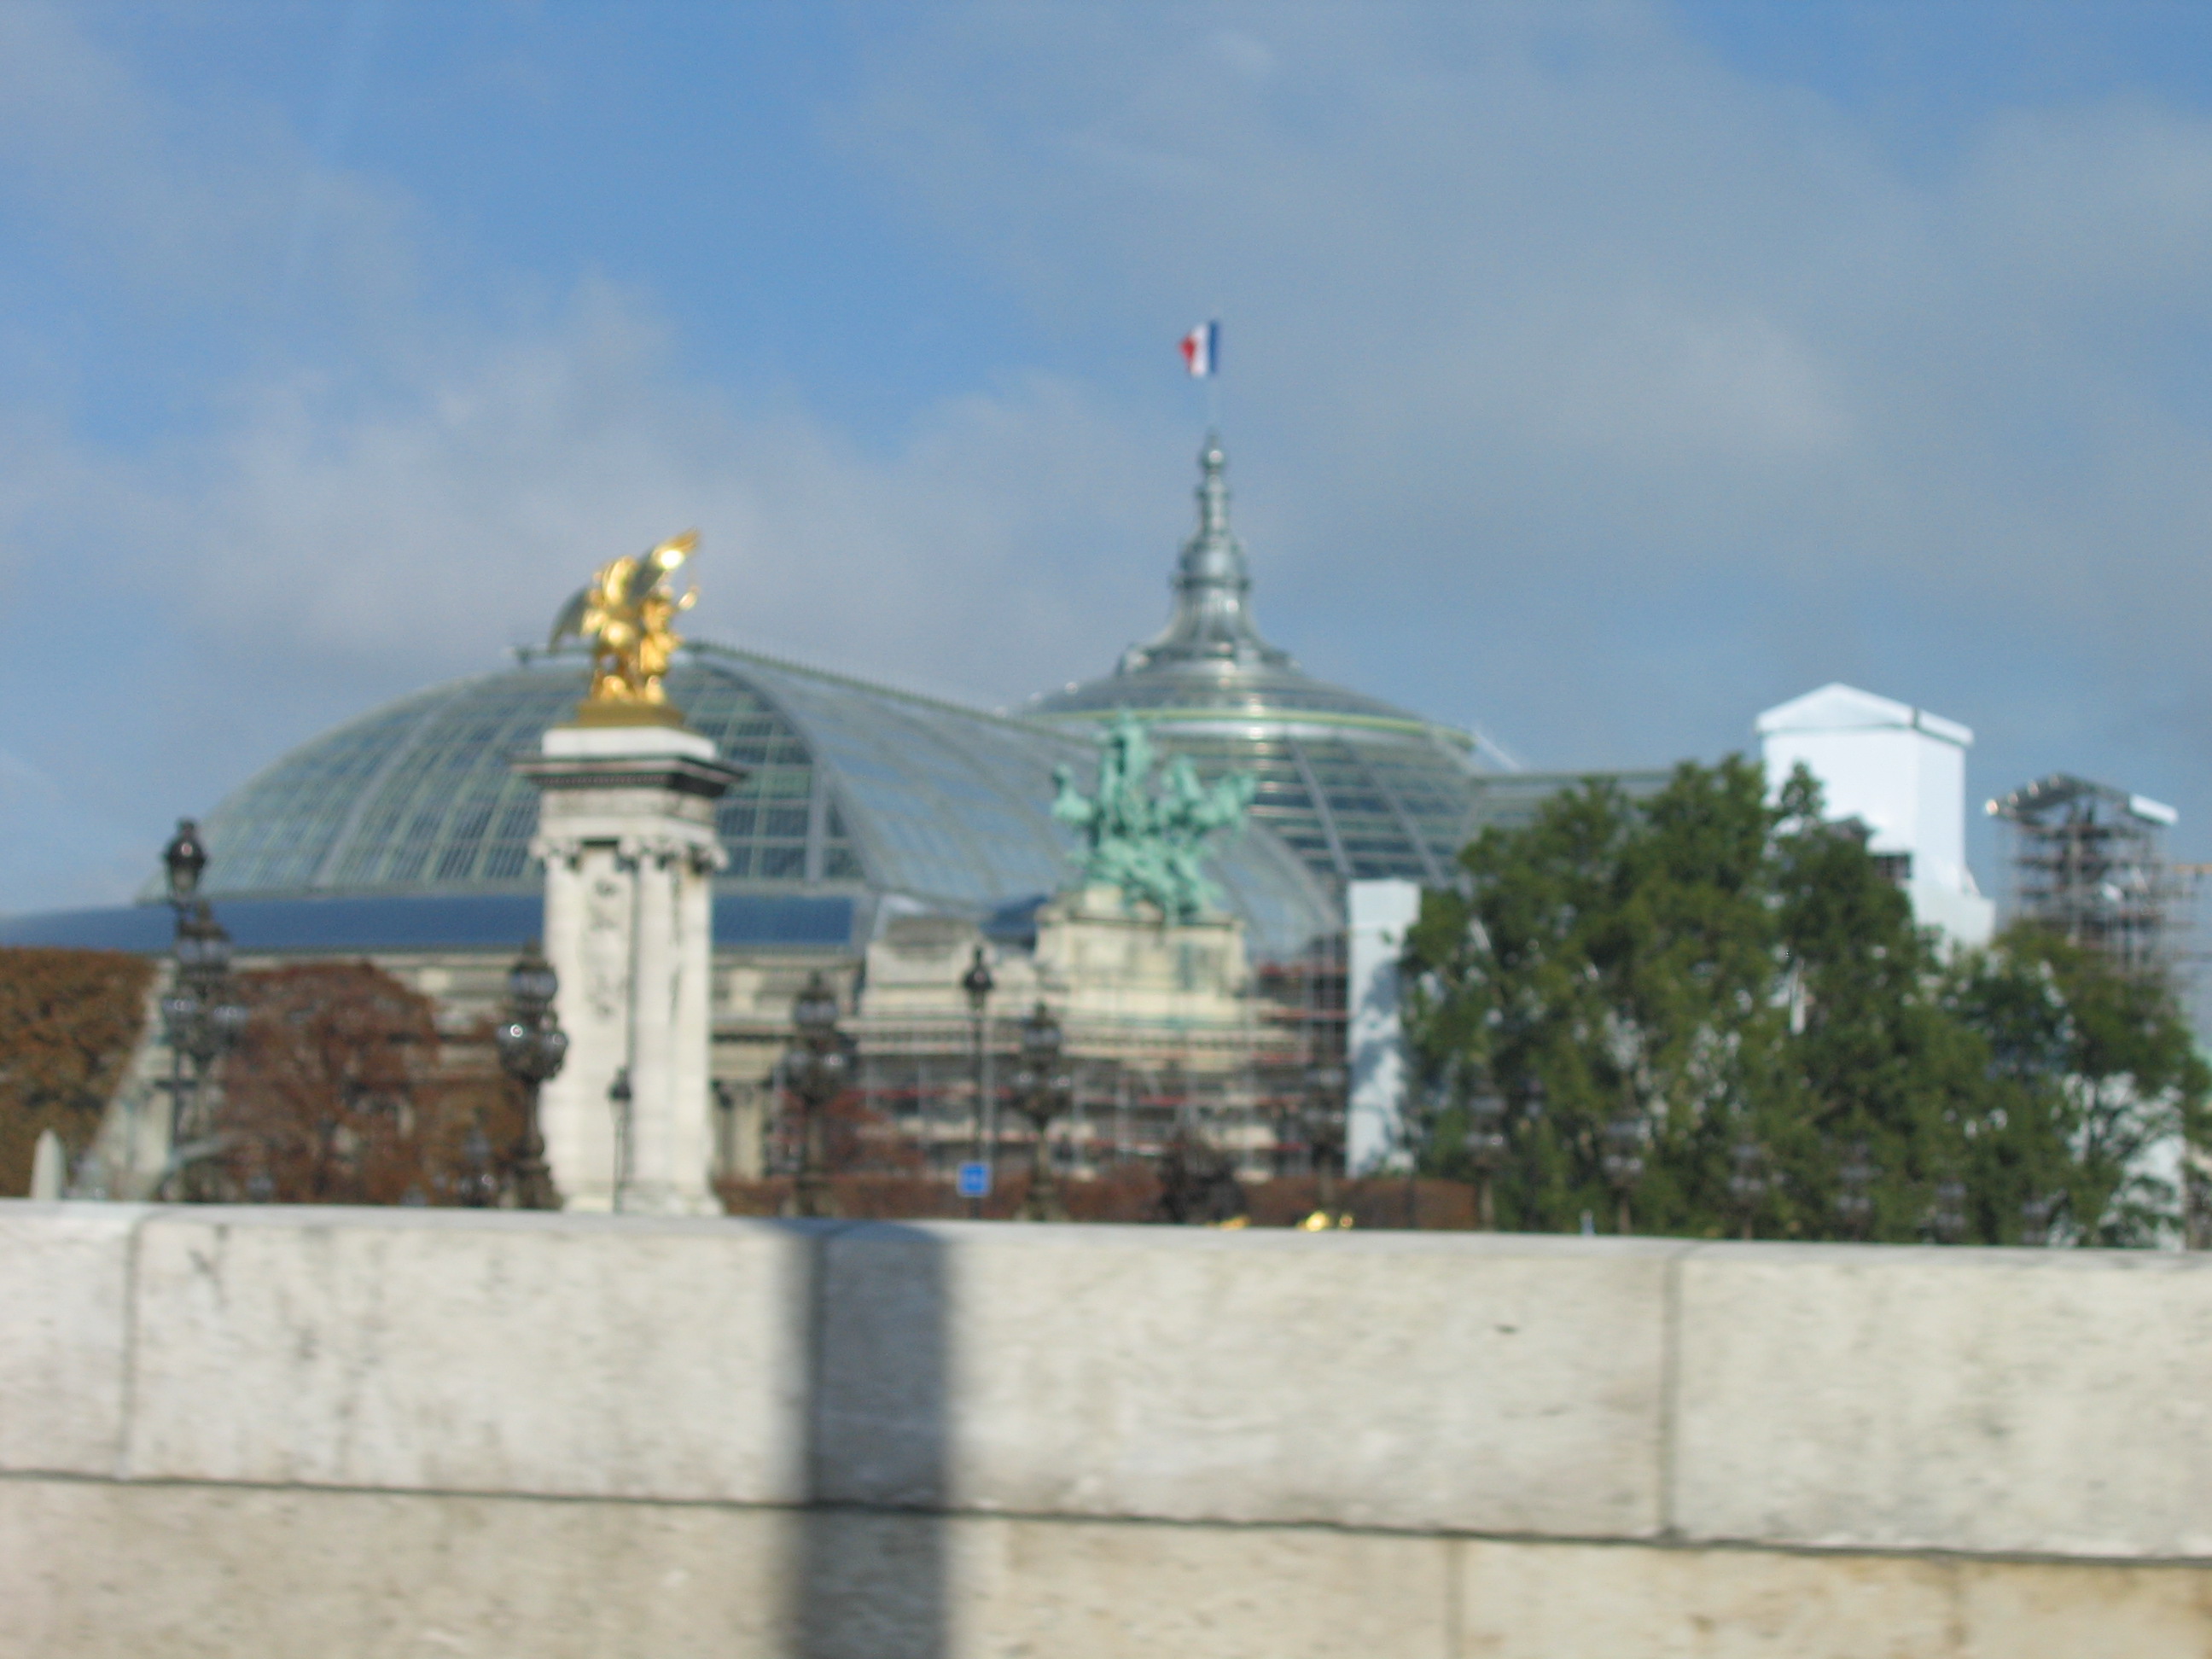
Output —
(653, 1179)
(626, 830)
(587, 915)
(693, 1000)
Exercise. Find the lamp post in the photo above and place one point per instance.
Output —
(1041, 1094)
(1486, 1150)
(479, 1182)
(1324, 1128)
(725, 1127)
(1855, 1199)
(1948, 1220)
(531, 1047)
(621, 1098)
(201, 1017)
(818, 1067)
(978, 985)
(1623, 1163)
(1747, 1181)
(185, 858)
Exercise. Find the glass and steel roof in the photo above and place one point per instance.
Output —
(1359, 788)
(849, 788)
(423, 921)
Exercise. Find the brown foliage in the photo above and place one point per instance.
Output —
(855, 1139)
(1129, 1194)
(339, 1092)
(69, 1021)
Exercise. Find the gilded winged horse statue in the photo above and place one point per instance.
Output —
(626, 614)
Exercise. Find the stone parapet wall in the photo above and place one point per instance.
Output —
(270, 1431)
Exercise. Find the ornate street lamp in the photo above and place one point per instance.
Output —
(1855, 1199)
(1623, 1163)
(1486, 1150)
(1747, 1181)
(978, 985)
(818, 1067)
(1042, 1090)
(184, 859)
(531, 1049)
(2035, 1212)
(201, 1019)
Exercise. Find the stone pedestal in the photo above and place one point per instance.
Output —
(1108, 965)
(626, 831)
(1115, 976)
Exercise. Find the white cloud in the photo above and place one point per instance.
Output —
(425, 530)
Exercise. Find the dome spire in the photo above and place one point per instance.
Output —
(1212, 587)
(1213, 498)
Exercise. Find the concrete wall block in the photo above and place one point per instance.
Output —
(1545, 1600)
(64, 1280)
(2026, 1610)
(99, 1570)
(2044, 1401)
(1108, 1590)
(473, 1352)
(1391, 1380)
(1559, 1600)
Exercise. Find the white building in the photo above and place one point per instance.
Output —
(1900, 771)
(1379, 913)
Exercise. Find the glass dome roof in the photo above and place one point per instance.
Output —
(1359, 788)
(849, 787)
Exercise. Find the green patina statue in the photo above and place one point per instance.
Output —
(1147, 844)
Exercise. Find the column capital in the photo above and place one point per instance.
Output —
(702, 854)
(549, 850)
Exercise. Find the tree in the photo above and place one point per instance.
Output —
(2091, 1074)
(69, 1021)
(1720, 994)
(339, 1093)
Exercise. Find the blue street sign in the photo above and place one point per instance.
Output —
(975, 1180)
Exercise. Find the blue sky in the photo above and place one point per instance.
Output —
(1597, 375)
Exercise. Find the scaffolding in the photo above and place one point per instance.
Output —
(1250, 1091)
(2088, 862)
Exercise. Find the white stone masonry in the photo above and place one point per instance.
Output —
(626, 832)
(257, 1432)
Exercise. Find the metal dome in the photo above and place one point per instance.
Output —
(1359, 788)
(849, 788)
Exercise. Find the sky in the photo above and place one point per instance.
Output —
(1595, 376)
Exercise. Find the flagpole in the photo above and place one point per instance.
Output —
(1213, 372)
(1203, 345)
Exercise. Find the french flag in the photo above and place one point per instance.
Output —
(1201, 350)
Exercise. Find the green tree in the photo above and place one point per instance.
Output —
(1725, 989)
(2090, 1070)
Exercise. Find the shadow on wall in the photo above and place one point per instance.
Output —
(869, 1579)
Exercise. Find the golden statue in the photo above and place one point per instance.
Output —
(626, 613)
